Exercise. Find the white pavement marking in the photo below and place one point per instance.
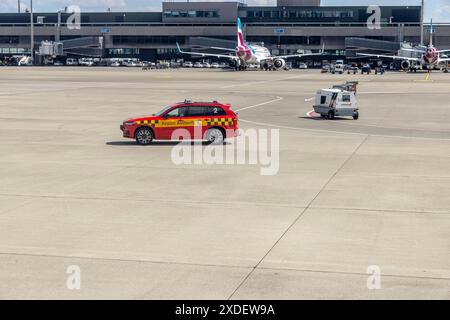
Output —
(240, 84)
(311, 114)
(338, 132)
(261, 104)
(300, 129)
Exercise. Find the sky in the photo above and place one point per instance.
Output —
(439, 10)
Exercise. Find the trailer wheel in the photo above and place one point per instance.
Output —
(331, 115)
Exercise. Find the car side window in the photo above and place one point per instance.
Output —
(197, 111)
(177, 113)
(346, 98)
(216, 111)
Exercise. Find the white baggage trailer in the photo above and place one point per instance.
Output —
(336, 102)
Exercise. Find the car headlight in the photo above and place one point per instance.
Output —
(129, 123)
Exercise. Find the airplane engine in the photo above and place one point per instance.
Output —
(405, 65)
(234, 64)
(279, 63)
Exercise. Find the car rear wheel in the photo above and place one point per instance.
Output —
(215, 136)
(144, 136)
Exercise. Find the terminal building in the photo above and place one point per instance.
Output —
(286, 28)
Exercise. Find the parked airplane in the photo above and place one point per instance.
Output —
(249, 54)
(428, 57)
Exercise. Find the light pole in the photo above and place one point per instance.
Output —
(32, 31)
(58, 27)
(18, 6)
(422, 14)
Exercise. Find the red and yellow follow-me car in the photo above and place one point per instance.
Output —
(210, 121)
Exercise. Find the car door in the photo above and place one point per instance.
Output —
(197, 117)
(172, 120)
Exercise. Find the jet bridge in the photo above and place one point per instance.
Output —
(86, 47)
(353, 45)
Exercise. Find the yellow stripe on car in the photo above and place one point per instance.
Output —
(187, 122)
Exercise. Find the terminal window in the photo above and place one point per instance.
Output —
(123, 51)
(294, 14)
(9, 40)
(162, 51)
(14, 51)
(192, 14)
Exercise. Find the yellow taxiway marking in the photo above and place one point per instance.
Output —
(427, 79)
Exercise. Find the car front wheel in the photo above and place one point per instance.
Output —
(215, 136)
(144, 136)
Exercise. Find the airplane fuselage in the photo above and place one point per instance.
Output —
(252, 54)
(431, 56)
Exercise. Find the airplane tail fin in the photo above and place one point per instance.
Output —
(431, 32)
(240, 34)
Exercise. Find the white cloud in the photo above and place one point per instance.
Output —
(100, 3)
(8, 5)
(442, 14)
(53, 5)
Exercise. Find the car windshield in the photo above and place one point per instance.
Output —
(160, 113)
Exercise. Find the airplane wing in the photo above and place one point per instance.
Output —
(224, 49)
(389, 57)
(444, 60)
(297, 55)
(206, 54)
(442, 51)
(413, 50)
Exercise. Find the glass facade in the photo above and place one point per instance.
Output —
(285, 40)
(192, 14)
(9, 40)
(123, 52)
(15, 51)
(295, 14)
(167, 51)
(345, 14)
(119, 40)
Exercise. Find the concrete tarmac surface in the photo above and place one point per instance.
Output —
(348, 196)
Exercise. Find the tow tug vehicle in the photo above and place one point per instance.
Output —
(340, 101)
